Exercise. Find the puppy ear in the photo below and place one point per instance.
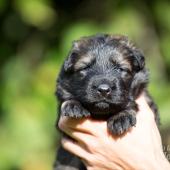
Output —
(139, 60)
(139, 82)
(73, 56)
(70, 61)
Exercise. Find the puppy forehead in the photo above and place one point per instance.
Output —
(102, 56)
(115, 56)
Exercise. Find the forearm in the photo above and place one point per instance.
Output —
(163, 164)
(147, 163)
(138, 162)
(143, 164)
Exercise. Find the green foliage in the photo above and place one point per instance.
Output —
(29, 101)
(36, 12)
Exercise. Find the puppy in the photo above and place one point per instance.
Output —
(101, 78)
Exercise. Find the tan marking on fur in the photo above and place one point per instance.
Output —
(80, 43)
(118, 37)
(123, 62)
(126, 64)
(59, 87)
(83, 61)
(123, 40)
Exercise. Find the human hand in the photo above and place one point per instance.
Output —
(139, 149)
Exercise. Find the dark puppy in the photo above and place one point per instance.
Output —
(101, 78)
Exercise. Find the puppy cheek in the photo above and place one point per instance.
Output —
(139, 82)
(90, 95)
(125, 75)
(127, 80)
(89, 91)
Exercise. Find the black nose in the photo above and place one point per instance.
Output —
(104, 89)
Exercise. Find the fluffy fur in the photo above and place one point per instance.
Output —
(101, 77)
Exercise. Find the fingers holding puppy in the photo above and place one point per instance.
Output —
(83, 125)
(75, 148)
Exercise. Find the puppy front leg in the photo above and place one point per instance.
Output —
(73, 108)
(122, 122)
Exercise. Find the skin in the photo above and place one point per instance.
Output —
(138, 149)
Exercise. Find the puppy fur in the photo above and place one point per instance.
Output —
(101, 78)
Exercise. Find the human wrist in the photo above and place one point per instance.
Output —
(163, 163)
(144, 162)
(159, 163)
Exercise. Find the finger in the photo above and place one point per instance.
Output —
(81, 137)
(88, 126)
(92, 127)
(68, 125)
(75, 148)
(65, 122)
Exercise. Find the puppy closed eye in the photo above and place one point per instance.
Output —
(125, 73)
(83, 71)
(123, 69)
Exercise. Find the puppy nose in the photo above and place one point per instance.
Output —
(104, 89)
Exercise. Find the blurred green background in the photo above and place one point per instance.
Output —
(35, 37)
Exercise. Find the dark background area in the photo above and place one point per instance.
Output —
(35, 37)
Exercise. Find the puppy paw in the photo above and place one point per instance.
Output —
(118, 124)
(72, 108)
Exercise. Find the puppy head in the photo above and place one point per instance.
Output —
(104, 72)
